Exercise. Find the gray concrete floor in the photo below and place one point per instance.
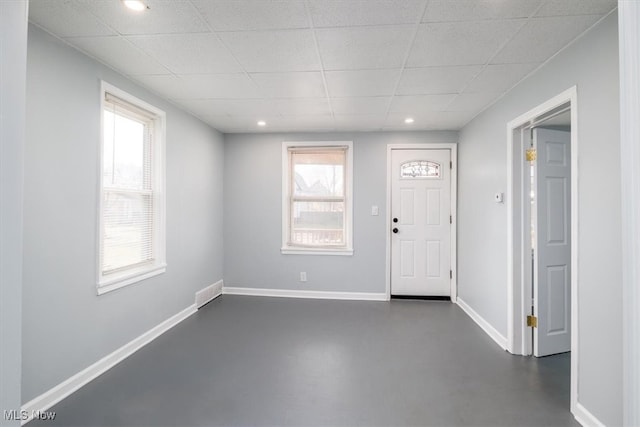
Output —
(252, 361)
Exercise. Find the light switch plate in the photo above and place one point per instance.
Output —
(374, 210)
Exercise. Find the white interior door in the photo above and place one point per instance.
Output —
(421, 222)
(552, 252)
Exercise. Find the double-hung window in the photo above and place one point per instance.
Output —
(317, 205)
(131, 212)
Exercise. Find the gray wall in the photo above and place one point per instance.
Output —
(66, 326)
(13, 63)
(591, 64)
(253, 214)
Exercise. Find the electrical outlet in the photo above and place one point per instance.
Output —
(303, 276)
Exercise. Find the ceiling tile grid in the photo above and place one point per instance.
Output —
(362, 82)
(67, 19)
(353, 48)
(119, 53)
(322, 65)
(202, 86)
(369, 105)
(188, 53)
(479, 10)
(353, 13)
(275, 50)
(461, 43)
(252, 15)
(306, 84)
(436, 80)
(161, 17)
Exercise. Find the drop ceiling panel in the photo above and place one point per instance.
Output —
(460, 43)
(533, 44)
(202, 86)
(465, 10)
(576, 7)
(265, 51)
(499, 78)
(67, 19)
(340, 13)
(231, 107)
(364, 47)
(361, 122)
(301, 123)
(362, 82)
(162, 17)
(434, 80)
(189, 53)
(119, 54)
(295, 106)
(472, 102)
(306, 84)
(440, 120)
(418, 104)
(225, 15)
(358, 106)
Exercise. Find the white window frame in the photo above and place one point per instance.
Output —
(288, 249)
(131, 275)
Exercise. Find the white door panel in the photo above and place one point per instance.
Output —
(421, 203)
(552, 260)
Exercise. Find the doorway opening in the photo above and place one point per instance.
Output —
(542, 219)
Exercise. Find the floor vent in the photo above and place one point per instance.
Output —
(207, 294)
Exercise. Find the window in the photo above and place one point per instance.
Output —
(131, 212)
(317, 212)
(419, 169)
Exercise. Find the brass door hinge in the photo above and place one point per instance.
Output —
(531, 154)
(532, 321)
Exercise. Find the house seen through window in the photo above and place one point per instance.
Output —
(317, 193)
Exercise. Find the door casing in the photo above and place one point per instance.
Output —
(516, 271)
(454, 185)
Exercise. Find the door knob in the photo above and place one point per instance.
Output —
(395, 219)
(395, 230)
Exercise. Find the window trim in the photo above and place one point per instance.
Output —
(131, 275)
(287, 249)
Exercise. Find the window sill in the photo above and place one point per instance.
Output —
(108, 285)
(313, 251)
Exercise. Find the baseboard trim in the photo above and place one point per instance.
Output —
(290, 293)
(72, 384)
(586, 418)
(486, 326)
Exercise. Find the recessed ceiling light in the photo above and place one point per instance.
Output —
(409, 120)
(262, 123)
(136, 5)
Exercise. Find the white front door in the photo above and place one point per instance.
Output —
(552, 251)
(420, 222)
